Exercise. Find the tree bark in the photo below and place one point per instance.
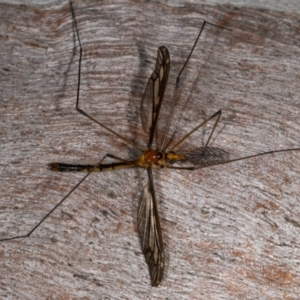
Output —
(230, 231)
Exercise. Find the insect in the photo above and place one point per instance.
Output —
(155, 155)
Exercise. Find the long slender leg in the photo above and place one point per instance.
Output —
(178, 82)
(192, 50)
(217, 114)
(60, 202)
(78, 88)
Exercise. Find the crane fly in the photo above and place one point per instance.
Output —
(155, 155)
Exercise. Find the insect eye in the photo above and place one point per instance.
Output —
(159, 155)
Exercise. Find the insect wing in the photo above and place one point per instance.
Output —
(154, 93)
(204, 157)
(150, 233)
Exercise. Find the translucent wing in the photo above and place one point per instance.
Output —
(150, 232)
(204, 156)
(207, 156)
(154, 93)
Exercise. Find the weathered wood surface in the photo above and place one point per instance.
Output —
(231, 232)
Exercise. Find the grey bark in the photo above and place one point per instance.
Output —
(231, 231)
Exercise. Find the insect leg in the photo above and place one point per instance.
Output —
(78, 87)
(55, 207)
(178, 81)
(217, 114)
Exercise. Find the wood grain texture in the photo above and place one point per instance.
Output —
(230, 232)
